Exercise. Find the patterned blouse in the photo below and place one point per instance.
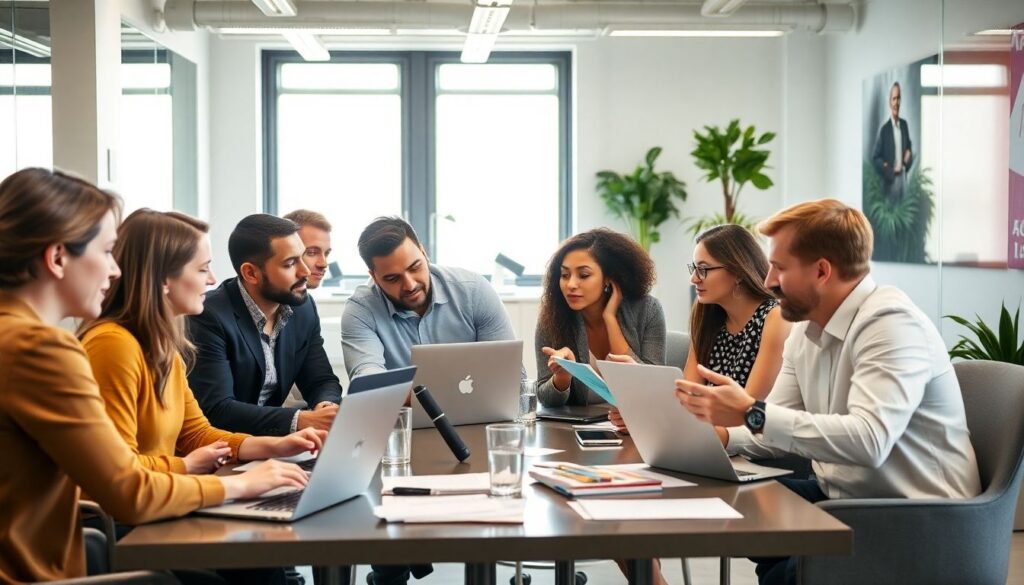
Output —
(733, 355)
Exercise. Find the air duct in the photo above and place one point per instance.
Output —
(570, 17)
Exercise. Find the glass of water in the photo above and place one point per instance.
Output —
(399, 447)
(505, 458)
(527, 402)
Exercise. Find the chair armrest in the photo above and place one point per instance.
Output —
(88, 507)
(905, 541)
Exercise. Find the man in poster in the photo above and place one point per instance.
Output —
(893, 155)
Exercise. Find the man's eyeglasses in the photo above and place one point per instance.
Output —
(702, 271)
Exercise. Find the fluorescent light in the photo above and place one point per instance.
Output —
(478, 48)
(994, 32)
(963, 76)
(308, 46)
(23, 43)
(695, 33)
(313, 31)
(487, 20)
(720, 7)
(276, 7)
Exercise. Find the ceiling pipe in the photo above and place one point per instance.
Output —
(576, 16)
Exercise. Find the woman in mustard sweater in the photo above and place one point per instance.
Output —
(56, 235)
(139, 352)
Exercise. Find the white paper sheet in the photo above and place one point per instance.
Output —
(475, 508)
(304, 456)
(655, 509)
(667, 481)
(539, 451)
(479, 483)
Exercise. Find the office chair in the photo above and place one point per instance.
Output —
(943, 541)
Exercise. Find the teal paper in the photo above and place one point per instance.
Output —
(586, 374)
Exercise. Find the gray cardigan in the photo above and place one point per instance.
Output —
(643, 325)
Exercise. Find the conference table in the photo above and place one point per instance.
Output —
(776, 522)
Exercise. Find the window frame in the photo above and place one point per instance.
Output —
(418, 72)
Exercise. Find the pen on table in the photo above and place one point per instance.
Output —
(586, 471)
(577, 476)
(417, 491)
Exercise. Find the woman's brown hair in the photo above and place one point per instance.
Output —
(621, 259)
(153, 246)
(735, 248)
(39, 208)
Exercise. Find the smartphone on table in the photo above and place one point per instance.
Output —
(596, 438)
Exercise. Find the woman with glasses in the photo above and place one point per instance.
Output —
(736, 328)
(595, 303)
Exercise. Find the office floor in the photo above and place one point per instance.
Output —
(702, 571)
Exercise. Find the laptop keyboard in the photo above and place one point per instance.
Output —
(308, 464)
(282, 503)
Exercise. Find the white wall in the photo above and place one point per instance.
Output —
(630, 94)
(884, 41)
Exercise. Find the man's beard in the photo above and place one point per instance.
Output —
(399, 304)
(795, 309)
(283, 297)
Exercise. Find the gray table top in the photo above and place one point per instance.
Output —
(775, 522)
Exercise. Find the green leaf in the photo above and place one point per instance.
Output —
(761, 181)
(766, 138)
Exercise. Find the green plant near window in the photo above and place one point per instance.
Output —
(900, 223)
(734, 158)
(988, 344)
(643, 198)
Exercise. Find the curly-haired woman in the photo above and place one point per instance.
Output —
(596, 302)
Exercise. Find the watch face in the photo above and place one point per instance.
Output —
(755, 419)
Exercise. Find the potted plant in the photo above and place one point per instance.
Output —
(996, 345)
(643, 198)
(734, 157)
(900, 223)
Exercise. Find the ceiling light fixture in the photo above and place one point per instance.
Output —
(699, 33)
(24, 44)
(719, 8)
(308, 46)
(994, 32)
(484, 26)
(276, 7)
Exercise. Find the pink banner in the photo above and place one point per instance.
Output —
(1015, 241)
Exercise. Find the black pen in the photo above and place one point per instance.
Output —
(411, 491)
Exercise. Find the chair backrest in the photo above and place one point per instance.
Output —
(677, 347)
(994, 401)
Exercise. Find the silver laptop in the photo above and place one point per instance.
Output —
(475, 382)
(349, 457)
(665, 433)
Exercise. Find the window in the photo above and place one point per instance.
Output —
(476, 157)
(157, 106)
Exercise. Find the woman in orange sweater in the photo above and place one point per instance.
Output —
(56, 235)
(139, 352)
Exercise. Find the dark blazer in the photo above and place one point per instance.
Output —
(885, 150)
(230, 367)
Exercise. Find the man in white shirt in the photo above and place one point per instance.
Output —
(866, 389)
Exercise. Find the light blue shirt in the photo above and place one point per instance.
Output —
(377, 336)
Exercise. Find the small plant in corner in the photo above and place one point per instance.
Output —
(643, 198)
(734, 158)
(997, 346)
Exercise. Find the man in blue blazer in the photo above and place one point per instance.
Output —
(258, 334)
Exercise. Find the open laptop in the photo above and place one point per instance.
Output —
(476, 382)
(665, 433)
(349, 457)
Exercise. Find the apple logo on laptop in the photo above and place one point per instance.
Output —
(466, 385)
(356, 449)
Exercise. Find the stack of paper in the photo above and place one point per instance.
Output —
(477, 508)
(571, 479)
(655, 509)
